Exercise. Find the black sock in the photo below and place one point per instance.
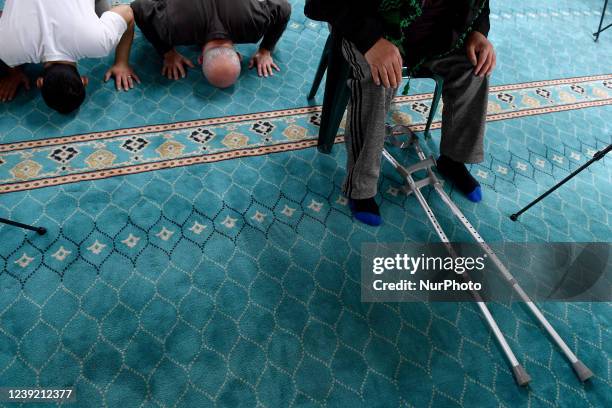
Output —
(366, 205)
(457, 173)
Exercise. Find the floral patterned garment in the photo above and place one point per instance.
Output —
(399, 14)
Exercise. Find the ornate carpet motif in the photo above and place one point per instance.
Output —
(41, 163)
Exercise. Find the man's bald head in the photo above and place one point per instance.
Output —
(221, 66)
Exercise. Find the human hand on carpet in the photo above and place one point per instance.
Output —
(124, 76)
(264, 62)
(481, 53)
(9, 84)
(174, 65)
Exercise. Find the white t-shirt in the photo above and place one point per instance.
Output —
(34, 31)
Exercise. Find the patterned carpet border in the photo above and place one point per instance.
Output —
(57, 161)
(265, 115)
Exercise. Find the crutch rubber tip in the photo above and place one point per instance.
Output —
(582, 371)
(521, 376)
(514, 217)
(41, 231)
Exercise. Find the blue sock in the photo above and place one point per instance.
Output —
(476, 195)
(458, 174)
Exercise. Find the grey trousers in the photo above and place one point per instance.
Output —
(102, 6)
(463, 118)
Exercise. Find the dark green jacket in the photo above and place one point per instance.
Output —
(361, 21)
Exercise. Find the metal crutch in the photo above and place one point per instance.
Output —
(521, 376)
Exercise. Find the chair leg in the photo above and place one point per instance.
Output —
(434, 105)
(320, 70)
(336, 97)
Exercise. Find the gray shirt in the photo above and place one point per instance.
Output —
(167, 23)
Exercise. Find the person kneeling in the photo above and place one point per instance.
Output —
(215, 25)
(58, 34)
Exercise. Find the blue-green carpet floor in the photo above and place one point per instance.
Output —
(215, 263)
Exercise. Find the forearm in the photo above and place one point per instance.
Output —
(280, 16)
(269, 41)
(273, 36)
(122, 53)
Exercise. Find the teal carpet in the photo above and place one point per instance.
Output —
(200, 255)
